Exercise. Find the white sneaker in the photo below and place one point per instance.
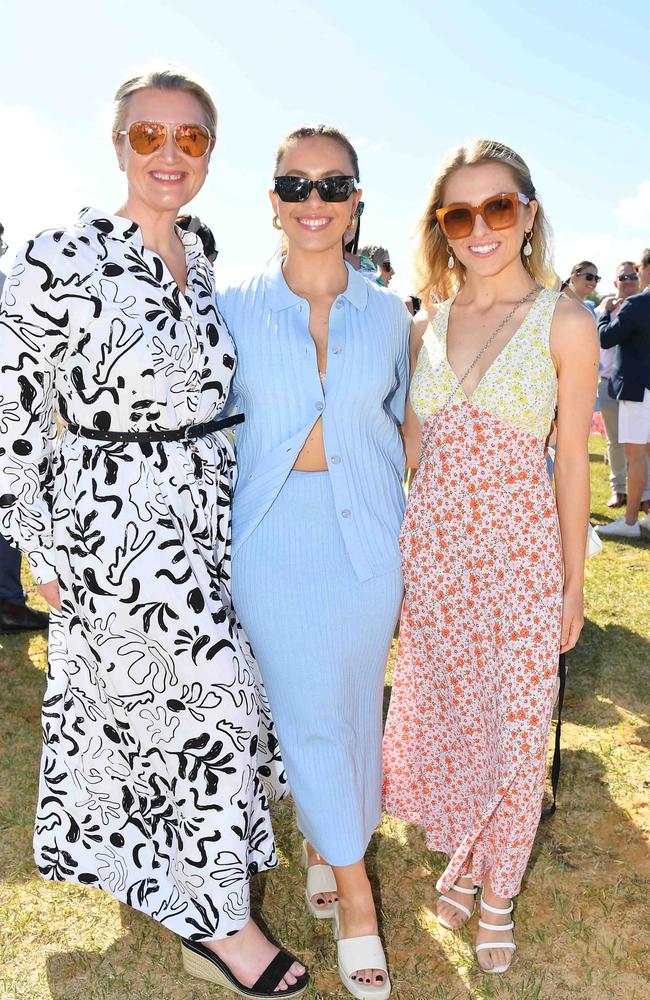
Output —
(619, 529)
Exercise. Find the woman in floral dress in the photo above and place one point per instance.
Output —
(159, 752)
(493, 562)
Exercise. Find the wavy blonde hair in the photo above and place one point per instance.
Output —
(436, 281)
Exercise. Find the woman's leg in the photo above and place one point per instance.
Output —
(492, 958)
(248, 953)
(357, 914)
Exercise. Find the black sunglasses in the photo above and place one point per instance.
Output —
(386, 266)
(289, 188)
(628, 277)
(588, 275)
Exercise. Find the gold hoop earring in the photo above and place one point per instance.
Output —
(528, 246)
(276, 222)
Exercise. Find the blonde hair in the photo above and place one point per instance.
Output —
(163, 78)
(435, 279)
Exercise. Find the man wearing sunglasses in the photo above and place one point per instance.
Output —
(625, 326)
(626, 284)
(15, 614)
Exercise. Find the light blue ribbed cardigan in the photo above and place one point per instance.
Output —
(277, 386)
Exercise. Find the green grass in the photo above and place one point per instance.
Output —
(582, 920)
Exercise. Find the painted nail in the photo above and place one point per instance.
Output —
(320, 900)
(380, 979)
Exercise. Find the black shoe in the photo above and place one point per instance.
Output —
(617, 500)
(199, 961)
(16, 617)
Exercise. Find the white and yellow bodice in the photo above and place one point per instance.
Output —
(519, 387)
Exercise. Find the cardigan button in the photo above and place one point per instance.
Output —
(335, 459)
(346, 513)
(336, 350)
(320, 406)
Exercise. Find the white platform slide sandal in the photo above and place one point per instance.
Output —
(360, 953)
(320, 879)
(508, 945)
(459, 906)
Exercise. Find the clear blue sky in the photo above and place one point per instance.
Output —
(564, 83)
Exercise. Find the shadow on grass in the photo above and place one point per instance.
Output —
(609, 670)
(22, 686)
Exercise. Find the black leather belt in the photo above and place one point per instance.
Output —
(189, 433)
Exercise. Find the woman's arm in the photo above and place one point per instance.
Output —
(411, 429)
(33, 337)
(574, 347)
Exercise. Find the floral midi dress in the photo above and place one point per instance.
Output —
(466, 740)
(159, 753)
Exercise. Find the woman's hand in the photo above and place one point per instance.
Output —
(573, 618)
(50, 591)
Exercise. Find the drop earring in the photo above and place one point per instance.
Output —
(276, 222)
(452, 260)
(528, 246)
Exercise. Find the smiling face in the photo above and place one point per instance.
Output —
(581, 285)
(485, 252)
(627, 280)
(315, 225)
(167, 179)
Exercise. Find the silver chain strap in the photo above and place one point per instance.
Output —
(533, 292)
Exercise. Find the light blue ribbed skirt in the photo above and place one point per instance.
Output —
(321, 638)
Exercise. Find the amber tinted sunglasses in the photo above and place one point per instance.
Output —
(497, 212)
(148, 137)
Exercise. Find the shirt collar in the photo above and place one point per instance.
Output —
(281, 297)
(116, 227)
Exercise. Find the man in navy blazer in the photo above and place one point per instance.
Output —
(630, 384)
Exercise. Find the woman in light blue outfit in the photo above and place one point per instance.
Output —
(321, 378)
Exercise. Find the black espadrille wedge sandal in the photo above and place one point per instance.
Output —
(199, 961)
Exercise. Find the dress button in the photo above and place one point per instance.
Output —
(320, 406)
(336, 350)
(345, 513)
(335, 459)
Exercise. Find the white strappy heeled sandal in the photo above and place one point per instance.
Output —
(459, 906)
(320, 879)
(360, 953)
(488, 945)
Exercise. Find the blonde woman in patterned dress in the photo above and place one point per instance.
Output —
(493, 561)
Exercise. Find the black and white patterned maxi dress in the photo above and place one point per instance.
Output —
(159, 753)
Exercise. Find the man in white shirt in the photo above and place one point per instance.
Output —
(627, 283)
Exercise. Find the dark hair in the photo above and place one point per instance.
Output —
(192, 224)
(645, 257)
(582, 264)
(353, 245)
(314, 131)
(2, 229)
(624, 263)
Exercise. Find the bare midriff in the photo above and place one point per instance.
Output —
(311, 457)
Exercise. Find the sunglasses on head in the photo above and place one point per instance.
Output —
(588, 276)
(148, 137)
(628, 277)
(497, 212)
(290, 188)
